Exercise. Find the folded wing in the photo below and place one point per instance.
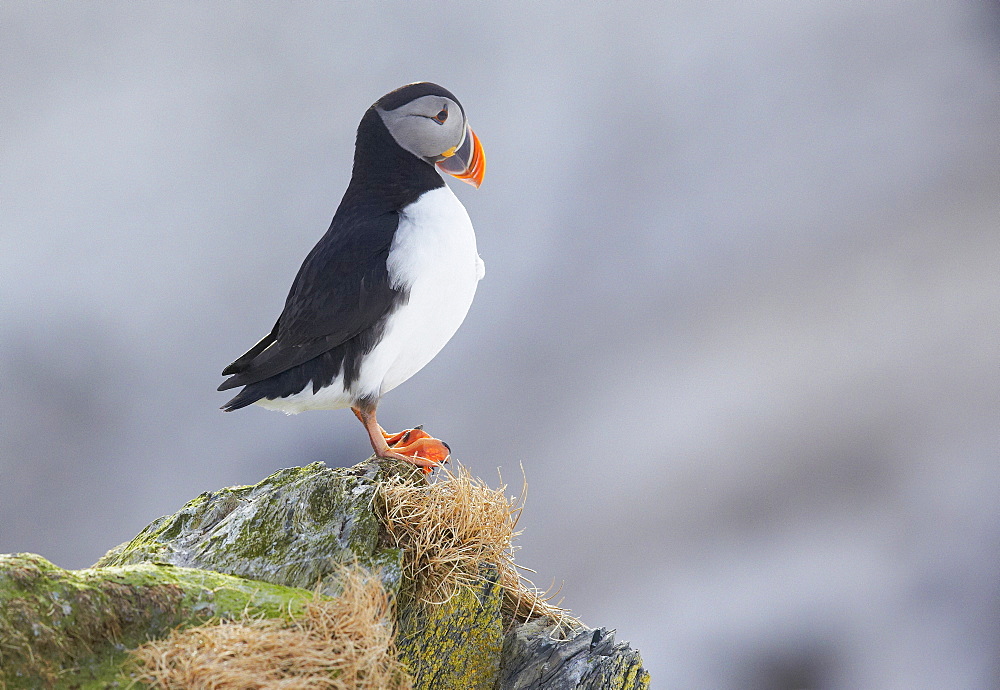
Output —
(342, 290)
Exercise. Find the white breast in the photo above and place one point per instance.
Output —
(433, 256)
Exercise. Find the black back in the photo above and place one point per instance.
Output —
(337, 307)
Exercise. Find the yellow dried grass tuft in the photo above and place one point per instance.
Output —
(347, 642)
(448, 528)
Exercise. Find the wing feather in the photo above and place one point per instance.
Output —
(342, 289)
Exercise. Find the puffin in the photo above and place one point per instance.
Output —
(388, 284)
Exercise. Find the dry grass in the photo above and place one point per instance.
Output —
(338, 644)
(447, 528)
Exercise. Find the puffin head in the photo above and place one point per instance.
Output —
(429, 122)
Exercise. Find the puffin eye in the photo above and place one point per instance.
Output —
(441, 116)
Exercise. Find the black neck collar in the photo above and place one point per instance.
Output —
(385, 172)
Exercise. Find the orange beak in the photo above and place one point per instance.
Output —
(467, 162)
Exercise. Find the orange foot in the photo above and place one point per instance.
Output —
(418, 447)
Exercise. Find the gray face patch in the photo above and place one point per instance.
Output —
(427, 126)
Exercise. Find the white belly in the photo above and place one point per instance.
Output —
(433, 256)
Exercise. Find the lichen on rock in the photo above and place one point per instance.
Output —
(62, 628)
(268, 549)
(346, 642)
(455, 644)
(294, 528)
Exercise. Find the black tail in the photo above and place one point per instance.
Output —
(247, 396)
(248, 356)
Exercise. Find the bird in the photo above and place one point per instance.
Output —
(387, 285)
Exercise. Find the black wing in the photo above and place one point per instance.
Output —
(341, 290)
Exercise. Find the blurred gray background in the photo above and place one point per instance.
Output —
(740, 320)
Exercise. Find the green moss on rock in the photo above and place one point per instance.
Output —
(262, 549)
(293, 528)
(455, 645)
(61, 628)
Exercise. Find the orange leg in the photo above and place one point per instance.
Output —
(415, 446)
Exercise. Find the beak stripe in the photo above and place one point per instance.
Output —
(466, 162)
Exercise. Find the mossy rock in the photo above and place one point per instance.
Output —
(264, 549)
(73, 629)
(294, 528)
(455, 644)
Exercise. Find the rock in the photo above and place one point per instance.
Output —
(267, 548)
(456, 644)
(293, 528)
(61, 628)
(541, 654)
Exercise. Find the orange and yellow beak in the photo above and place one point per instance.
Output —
(466, 162)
